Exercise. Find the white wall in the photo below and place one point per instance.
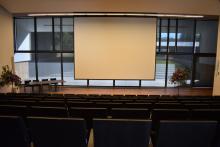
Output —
(6, 38)
(216, 86)
(6, 41)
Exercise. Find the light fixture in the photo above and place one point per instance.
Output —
(117, 14)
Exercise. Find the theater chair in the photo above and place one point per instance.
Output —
(13, 132)
(130, 113)
(166, 114)
(13, 110)
(88, 114)
(121, 133)
(205, 114)
(57, 132)
(47, 111)
(186, 133)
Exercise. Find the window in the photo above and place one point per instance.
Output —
(49, 65)
(178, 61)
(205, 67)
(181, 43)
(67, 28)
(172, 36)
(24, 34)
(185, 36)
(163, 35)
(25, 66)
(57, 34)
(44, 34)
(126, 83)
(100, 82)
(206, 36)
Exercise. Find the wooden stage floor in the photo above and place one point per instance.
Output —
(135, 91)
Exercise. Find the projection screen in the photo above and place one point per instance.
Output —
(114, 47)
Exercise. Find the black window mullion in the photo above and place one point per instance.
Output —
(36, 47)
(61, 47)
(87, 83)
(159, 47)
(176, 35)
(167, 52)
(61, 66)
(194, 58)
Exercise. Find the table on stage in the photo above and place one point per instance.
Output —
(45, 83)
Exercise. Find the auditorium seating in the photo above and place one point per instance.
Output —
(121, 133)
(57, 132)
(109, 102)
(153, 107)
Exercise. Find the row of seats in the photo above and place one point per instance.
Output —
(101, 96)
(89, 113)
(20, 110)
(115, 104)
(71, 132)
(110, 98)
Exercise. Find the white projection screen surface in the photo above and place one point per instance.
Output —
(115, 47)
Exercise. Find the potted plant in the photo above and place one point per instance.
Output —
(179, 77)
(8, 78)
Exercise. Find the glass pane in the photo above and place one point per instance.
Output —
(24, 34)
(172, 36)
(68, 71)
(205, 67)
(160, 73)
(25, 66)
(163, 35)
(185, 36)
(126, 82)
(57, 34)
(44, 34)
(100, 82)
(206, 36)
(67, 27)
(178, 61)
(49, 66)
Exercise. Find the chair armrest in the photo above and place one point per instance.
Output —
(91, 139)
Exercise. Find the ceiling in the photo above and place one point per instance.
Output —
(205, 7)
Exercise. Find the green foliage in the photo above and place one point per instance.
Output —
(8, 78)
(180, 76)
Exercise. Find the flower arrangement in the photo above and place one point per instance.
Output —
(180, 76)
(7, 77)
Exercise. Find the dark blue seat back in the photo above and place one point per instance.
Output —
(13, 132)
(186, 133)
(121, 133)
(57, 132)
